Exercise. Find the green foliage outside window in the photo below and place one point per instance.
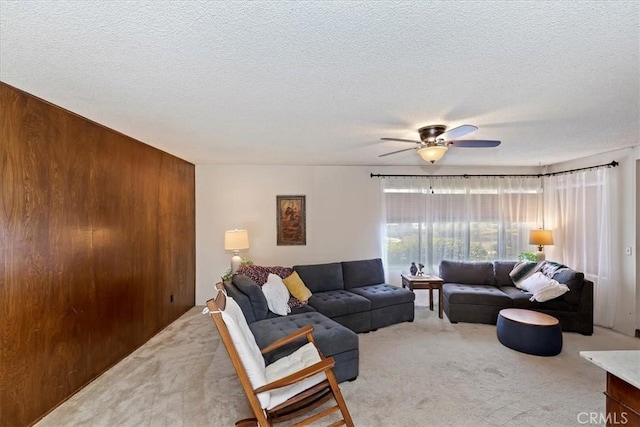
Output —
(405, 251)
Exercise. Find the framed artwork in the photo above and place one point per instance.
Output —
(291, 218)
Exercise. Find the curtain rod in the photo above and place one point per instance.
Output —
(613, 164)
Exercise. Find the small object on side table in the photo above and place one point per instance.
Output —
(413, 269)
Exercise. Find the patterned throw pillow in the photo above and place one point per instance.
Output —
(549, 268)
(295, 302)
(260, 274)
(522, 270)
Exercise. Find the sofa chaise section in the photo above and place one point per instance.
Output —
(389, 304)
(347, 297)
(475, 292)
(333, 339)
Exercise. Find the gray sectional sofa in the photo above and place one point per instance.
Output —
(347, 298)
(475, 292)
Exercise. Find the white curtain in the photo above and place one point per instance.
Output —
(457, 218)
(579, 209)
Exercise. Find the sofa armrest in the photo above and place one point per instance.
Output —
(585, 308)
(586, 299)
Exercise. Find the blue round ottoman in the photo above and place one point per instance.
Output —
(529, 332)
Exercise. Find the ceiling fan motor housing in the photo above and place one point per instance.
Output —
(431, 133)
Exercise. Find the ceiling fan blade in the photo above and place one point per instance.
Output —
(457, 132)
(401, 140)
(399, 151)
(474, 143)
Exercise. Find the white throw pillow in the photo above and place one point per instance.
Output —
(522, 270)
(543, 288)
(277, 295)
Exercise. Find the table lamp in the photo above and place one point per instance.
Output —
(540, 238)
(235, 240)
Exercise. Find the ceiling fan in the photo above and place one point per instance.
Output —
(435, 140)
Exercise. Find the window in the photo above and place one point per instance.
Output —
(479, 219)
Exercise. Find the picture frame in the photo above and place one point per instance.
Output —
(291, 220)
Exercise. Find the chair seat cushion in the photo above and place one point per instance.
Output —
(302, 358)
(384, 295)
(339, 303)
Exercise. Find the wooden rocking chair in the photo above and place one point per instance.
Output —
(285, 389)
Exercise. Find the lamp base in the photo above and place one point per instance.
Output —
(235, 263)
(540, 256)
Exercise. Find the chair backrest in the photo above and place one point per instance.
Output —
(240, 344)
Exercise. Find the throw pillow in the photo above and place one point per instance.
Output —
(543, 288)
(277, 295)
(522, 270)
(259, 273)
(296, 287)
(550, 268)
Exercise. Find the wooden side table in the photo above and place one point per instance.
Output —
(425, 282)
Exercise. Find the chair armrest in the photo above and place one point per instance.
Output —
(317, 368)
(306, 330)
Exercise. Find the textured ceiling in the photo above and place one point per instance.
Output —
(321, 82)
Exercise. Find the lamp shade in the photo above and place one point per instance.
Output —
(235, 240)
(541, 237)
(432, 153)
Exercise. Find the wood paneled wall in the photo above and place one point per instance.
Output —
(97, 248)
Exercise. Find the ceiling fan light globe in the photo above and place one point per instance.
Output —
(432, 154)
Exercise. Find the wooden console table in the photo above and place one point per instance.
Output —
(425, 282)
(623, 384)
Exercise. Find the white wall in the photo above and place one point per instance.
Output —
(626, 234)
(343, 216)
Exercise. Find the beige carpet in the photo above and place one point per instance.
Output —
(425, 373)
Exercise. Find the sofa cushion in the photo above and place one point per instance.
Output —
(522, 299)
(574, 280)
(339, 303)
(467, 272)
(258, 301)
(501, 270)
(242, 300)
(321, 277)
(384, 295)
(362, 273)
(460, 293)
(519, 297)
(332, 338)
